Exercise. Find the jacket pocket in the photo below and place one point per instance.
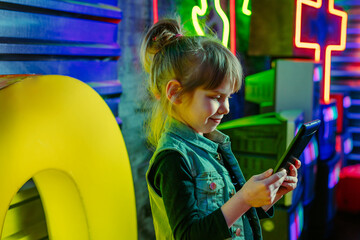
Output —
(209, 192)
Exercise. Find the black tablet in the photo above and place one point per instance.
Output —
(298, 144)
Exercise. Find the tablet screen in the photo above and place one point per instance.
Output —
(298, 144)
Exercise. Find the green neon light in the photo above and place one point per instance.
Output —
(201, 12)
(194, 15)
(226, 23)
(245, 8)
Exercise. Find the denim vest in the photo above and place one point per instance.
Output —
(213, 183)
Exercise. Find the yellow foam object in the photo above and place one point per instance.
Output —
(59, 131)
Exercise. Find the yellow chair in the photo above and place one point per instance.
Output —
(58, 131)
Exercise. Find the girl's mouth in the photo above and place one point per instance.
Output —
(216, 120)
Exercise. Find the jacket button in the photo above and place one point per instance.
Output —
(238, 231)
(212, 186)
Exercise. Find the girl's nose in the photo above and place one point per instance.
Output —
(224, 107)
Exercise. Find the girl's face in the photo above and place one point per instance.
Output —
(204, 110)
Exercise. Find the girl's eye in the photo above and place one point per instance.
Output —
(215, 97)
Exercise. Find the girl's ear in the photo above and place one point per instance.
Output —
(173, 88)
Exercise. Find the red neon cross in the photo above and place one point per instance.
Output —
(313, 32)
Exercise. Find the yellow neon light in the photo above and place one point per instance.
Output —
(245, 8)
(331, 48)
(201, 12)
(316, 46)
(226, 23)
(194, 15)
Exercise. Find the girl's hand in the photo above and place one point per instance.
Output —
(262, 189)
(291, 180)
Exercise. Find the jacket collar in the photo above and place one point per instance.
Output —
(209, 142)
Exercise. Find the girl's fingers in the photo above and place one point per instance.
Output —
(293, 170)
(289, 185)
(290, 179)
(275, 177)
(263, 175)
(297, 163)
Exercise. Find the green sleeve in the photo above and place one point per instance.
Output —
(170, 177)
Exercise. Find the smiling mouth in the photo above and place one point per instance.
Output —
(217, 120)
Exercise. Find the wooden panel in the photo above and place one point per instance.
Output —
(110, 2)
(113, 104)
(86, 71)
(37, 29)
(84, 7)
(42, 27)
(72, 38)
(110, 91)
(97, 50)
(107, 87)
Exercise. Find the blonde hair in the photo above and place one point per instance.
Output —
(195, 61)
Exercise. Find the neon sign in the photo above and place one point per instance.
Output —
(232, 27)
(229, 26)
(155, 11)
(322, 12)
(245, 8)
(201, 12)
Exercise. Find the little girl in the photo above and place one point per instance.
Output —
(196, 188)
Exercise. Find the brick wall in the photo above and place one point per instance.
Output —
(137, 17)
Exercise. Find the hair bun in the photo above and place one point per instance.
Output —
(162, 33)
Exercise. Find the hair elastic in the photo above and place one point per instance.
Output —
(179, 35)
